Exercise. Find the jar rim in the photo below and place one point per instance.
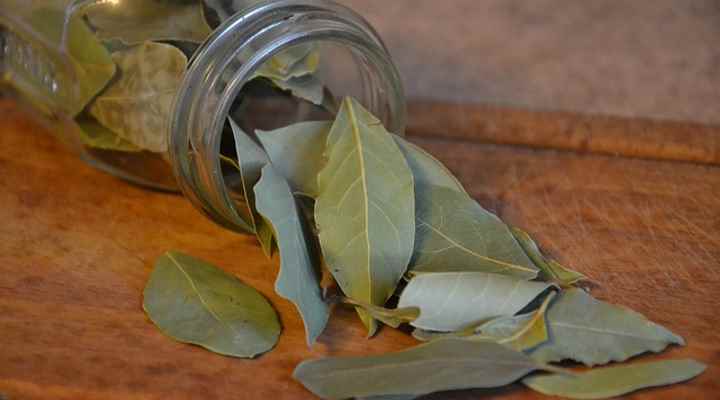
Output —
(216, 75)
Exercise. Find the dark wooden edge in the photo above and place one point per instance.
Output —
(629, 137)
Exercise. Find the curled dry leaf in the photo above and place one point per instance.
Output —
(298, 279)
(451, 301)
(251, 159)
(550, 270)
(393, 317)
(137, 105)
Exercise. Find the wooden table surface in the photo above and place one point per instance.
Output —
(633, 204)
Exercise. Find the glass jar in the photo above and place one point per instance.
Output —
(143, 89)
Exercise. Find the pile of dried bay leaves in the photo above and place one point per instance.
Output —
(394, 226)
(347, 200)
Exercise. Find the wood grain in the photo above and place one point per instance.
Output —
(77, 246)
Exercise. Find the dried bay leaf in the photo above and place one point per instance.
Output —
(137, 105)
(393, 317)
(365, 208)
(91, 65)
(451, 301)
(298, 279)
(195, 302)
(550, 270)
(608, 382)
(135, 21)
(440, 365)
(251, 160)
(94, 135)
(519, 332)
(454, 233)
(296, 152)
(593, 332)
(426, 169)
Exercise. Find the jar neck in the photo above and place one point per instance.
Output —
(228, 60)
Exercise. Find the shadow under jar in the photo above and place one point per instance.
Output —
(144, 89)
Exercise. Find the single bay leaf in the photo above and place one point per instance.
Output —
(609, 382)
(296, 152)
(94, 135)
(137, 105)
(440, 365)
(454, 233)
(426, 169)
(298, 280)
(91, 67)
(451, 301)
(137, 21)
(365, 209)
(393, 317)
(593, 332)
(195, 302)
(519, 332)
(550, 270)
(251, 160)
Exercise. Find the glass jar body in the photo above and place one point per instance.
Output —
(144, 88)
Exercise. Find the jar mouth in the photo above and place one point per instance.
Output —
(229, 59)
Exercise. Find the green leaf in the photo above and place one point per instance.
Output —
(298, 280)
(593, 332)
(440, 365)
(608, 382)
(94, 135)
(451, 301)
(453, 233)
(138, 104)
(251, 160)
(91, 67)
(393, 317)
(296, 152)
(195, 302)
(426, 169)
(135, 21)
(550, 270)
(519, 332)
(365, 210)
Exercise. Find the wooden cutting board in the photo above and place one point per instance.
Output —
(77, 246)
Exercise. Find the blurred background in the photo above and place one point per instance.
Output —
(657, 59)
